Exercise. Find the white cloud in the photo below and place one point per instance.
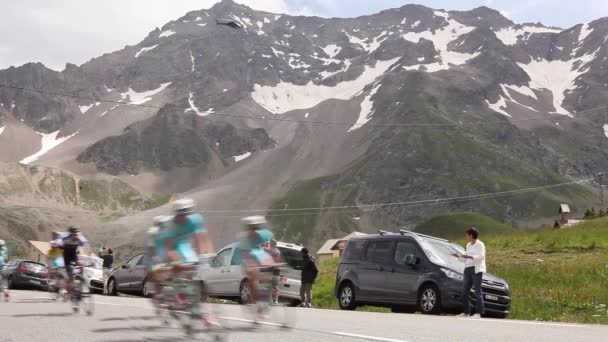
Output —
(74, 31)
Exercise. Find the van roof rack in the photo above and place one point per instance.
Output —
(385, 232)
(403, 232)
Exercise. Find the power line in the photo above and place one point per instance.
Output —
(552, 116)
(419, 203)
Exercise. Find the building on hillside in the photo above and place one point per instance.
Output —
(333, 248)
(565, 221)
(39, 250)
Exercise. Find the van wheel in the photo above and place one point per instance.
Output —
(112, 290)
(429, 300)
(244, 292)
(346, 297)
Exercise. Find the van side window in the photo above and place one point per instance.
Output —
(404, 248)
(353, 251)
(379, 251)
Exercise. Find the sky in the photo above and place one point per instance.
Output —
(56, 32)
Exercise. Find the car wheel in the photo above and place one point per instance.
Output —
(244, 292)
(112, 290)
(294, 302)
(146, 289)
(429, 300)
(346, 297)
(10, 283)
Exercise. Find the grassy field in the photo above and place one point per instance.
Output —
(554, 275)
(453, 225)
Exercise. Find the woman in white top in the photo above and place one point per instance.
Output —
(475, 266)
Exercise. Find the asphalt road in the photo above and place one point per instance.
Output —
(31, 316)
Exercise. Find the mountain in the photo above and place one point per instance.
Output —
(274, 111)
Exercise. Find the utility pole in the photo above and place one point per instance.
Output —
(602, 177)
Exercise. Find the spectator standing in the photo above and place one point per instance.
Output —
(309, 275)
(108, 261)
(475, 267)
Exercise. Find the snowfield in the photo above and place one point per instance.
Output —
(49, 142)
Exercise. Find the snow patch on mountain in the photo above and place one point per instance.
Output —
(368, 47)
(144, 49)
(242, 157)
(328, 74)
(511, 35)
(192, 61)
(194, 108)
(84, 109)
(332, 50)
(499, 105)
(49, 142)
(557, 76)
(367, 110)
(2, 129)
(586, 30)
(605, 130)
(136, 98)
(285, 97)
(166, 33)
(441, 39)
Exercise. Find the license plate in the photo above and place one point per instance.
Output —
(37, 282)
(490, 297)
(283, 280)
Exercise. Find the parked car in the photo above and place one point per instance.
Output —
(25, 274)
(224, 276)
(131, 278)
(411, 272)
(93, 272)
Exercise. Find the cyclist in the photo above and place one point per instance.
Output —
(56, 264)
(156, 252)
(272, 249)
(3, 261)
(70, 245)
(188, 227)
(254, 255)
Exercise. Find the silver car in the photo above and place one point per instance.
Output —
(225, 278)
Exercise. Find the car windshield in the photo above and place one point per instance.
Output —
(34, 266)
(440, 253)
(91, 262)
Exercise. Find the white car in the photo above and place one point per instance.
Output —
(93, 272)
(224, 277)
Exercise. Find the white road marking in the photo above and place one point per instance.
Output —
(549, 324)
(366, 337)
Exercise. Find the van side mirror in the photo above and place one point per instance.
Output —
(411, 260)
(125, 266)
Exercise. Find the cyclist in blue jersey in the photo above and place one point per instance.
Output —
(253, 253)
(189, 238)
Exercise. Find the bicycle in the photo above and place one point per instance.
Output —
(181, 297)
(81, 293)
(56, 284)
(266, 312)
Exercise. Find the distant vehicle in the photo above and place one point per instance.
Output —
(228, 22)
(25, 274)
(93, 272)
(130, 278)
(224, 276)
(411, 272)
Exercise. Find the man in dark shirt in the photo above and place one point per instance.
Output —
(108, 261)
(309, 275)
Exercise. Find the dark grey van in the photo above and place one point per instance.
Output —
(411, 272)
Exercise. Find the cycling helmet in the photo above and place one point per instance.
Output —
(2, 242)
(254, 222)
(183, 205)
(153, 230)
(74, 230)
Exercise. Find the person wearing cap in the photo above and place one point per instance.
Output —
(3, 262)
(309, 275)
(108, 262)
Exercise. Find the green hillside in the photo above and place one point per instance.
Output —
(453, 225)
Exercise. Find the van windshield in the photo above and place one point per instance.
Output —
(440, 253)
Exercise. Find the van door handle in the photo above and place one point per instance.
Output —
(381, 269)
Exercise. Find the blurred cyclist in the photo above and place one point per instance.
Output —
(3, 262)
(188, 242)
(70, 245)
(275, 253)
(156, 249)
(56, 264)
(254, 255)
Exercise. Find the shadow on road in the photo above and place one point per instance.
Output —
(133, 328)
(128, 318)
(35, 301)
(50, 314)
